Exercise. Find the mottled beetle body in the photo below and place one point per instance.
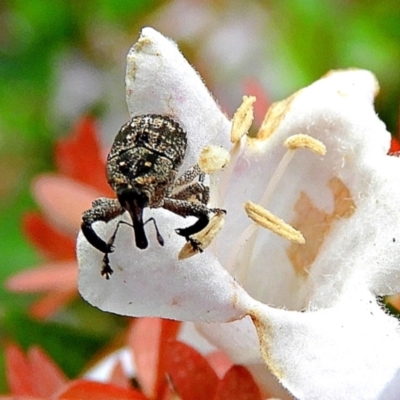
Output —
(142, 165)
(141, 169)
(145, 156)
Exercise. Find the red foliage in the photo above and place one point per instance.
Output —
(79, 156)
(148, 341)
(84, 390)
(238, 384)
(33, 375)
(50, 241)
(165, 369)
(190, 374)
(79, 159)
(394, 145)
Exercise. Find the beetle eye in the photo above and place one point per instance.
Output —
(145, 165)
(124, 167)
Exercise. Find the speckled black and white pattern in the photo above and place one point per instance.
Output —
(142, 169)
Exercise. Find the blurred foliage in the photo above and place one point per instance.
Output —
(70, 347)
(313, 37)
(33, 34)
(306, 37)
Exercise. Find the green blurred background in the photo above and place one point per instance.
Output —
(61, 59)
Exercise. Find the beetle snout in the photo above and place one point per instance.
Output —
(132, 196)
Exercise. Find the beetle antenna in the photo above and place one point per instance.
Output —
(159, 237)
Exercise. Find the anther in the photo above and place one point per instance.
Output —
(266, 219)
(241, 123)
(213, 158)
(302, 141)
(242, 119)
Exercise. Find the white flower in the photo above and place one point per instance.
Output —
(306, 311)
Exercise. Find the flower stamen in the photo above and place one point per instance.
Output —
(213, 159)
(302, 141)
(260, 215)
(294, 142)
(267, 220)
(242, 119)
(241, 123)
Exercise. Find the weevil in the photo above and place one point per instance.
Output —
(142, 169)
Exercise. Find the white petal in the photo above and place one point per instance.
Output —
(349, 351)
(238, 339)
(189, 334)
(153, 282)
(102, 371)
(338, 111)
(159, 80)
(392, 389)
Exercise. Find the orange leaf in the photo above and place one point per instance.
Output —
(47, 376)
(238, 384)
(20, 398)
(190, 374)
(79, 155)
(394, 145)
(56, 275)
(52, 242)
(84, 390)
(52, 302)
(18, 371)
(219, 362)
(169, 331)
(147, 340)
(118, 376)
(35, 375)
(63, 200)
(143, 340)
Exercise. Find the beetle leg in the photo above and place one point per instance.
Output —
(106, 269)
(103, 209)
(189, 175)
(195, 190)
(186, 208)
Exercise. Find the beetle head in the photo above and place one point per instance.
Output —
(142, 171)
(134, 201)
